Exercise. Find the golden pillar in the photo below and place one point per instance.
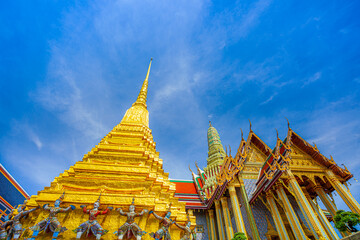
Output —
(321, 216)
(280, 226)
(236, 209)
(330, 206)
(219, 219)
(306, 208)
(343, 192)
(227, 218)
(290, 214)
(212, 225)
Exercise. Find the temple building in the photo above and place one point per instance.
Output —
(269, 193)
(11, 193)
(266, 193)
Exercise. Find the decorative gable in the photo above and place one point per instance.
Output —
(300, 158)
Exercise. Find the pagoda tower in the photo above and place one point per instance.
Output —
(123, 166)
(216, 155)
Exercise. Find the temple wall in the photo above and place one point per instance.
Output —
(260, 211)
(201, 221)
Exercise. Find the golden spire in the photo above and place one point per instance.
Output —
(143, 92)
(138, 113)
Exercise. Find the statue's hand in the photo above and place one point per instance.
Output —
(145, 210)
(82, 206)
(45, 205)
(72, 207)
(110, 208)
(118, 209)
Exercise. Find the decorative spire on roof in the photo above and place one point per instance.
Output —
(143, 92)
(288, 123)
(201, 174)
(250, 126)
(138, 113)
(190, 169)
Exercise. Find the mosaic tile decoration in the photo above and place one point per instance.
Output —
(250, 186)
(201, 220)
(260, 211)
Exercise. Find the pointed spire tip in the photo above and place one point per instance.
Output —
(143, 92)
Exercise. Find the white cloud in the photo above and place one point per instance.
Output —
(312, 79)
(269, 99)
(20, 127)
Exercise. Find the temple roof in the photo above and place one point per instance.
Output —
(256, 140)
(11, 193)
(312, 151)
(186, 192)
(274, 161)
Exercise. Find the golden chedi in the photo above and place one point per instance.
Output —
(123, 166)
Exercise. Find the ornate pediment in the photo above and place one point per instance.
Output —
(255, 155)
(299, 158)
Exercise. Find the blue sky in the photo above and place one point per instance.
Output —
(70, 69)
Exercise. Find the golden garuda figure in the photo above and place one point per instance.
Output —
(130, 228)
(163, 232)
(51, 223)
(92, 224)
(187, 229)
(12, 227)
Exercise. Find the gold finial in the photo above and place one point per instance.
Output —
(190, 169)
(210, 124)
(196, 165)
(315, 147)
(143, 92)
(331, 160)
(277, 134)
(345, 168)
(250, 125)
(288, 122)
(242, 134)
